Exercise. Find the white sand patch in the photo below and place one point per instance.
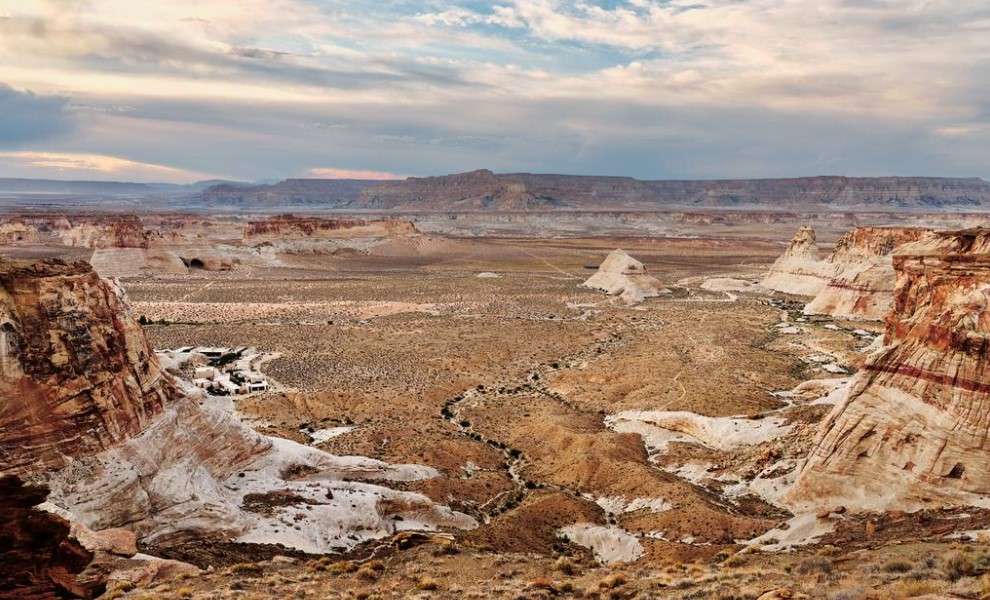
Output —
(488, 275)
(728, 284)
(659, 428)
(618, 505)
(805, 528)
(321, 435)
(610, 545)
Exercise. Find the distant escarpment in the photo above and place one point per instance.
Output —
(466, 191)
(911, 430)
(77, 375)
(324, 193)
(484, 190)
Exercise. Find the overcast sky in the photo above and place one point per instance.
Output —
(181, 90)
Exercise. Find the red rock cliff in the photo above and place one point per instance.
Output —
(862, 285)
(76, 373)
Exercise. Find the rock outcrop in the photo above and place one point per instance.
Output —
(623, 276)
(862, 284)
(290, 226)
(38, 558)
(800, 270)
(77, 375)
(911, 429)
(104, 232)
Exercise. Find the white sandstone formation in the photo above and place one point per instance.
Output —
(799, 270)
(623, 276)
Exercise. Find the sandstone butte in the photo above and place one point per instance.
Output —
(911, 429)
(799, 270)
(862, 281)
(623, 276)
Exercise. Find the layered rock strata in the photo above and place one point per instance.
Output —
(77, 375)
(862, 284)
(911, 429)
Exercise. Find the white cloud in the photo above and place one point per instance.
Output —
(91, 166)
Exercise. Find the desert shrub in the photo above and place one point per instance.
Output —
(959, 565)
(246, 569)
(427, 584)
(815, 564)
(565, 566)
(897, 566)
(914, 588)
(612, 581)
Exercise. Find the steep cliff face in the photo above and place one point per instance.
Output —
(77, 375)
(38, 559)
(911, 430)
(862, 284)
(799, 270)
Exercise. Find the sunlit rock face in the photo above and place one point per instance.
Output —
(911, 430)
(799, 270)
(77, 375)
(862, 281)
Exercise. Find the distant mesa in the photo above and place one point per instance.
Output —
(910, 431)
(483, 190)
(623, 276)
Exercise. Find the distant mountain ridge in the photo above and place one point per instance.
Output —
(483, 190)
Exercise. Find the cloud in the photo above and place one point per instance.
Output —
(91, 166)
(651, 88)
(27, 117)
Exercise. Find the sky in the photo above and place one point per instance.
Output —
(184, 90)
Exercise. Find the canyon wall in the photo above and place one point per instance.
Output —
(862, 281)
(911, 430)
